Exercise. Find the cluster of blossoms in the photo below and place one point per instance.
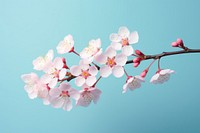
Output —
(53, 86)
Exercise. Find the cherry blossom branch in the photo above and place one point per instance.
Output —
(158, 56)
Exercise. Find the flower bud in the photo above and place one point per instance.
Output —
(139, 53)
(175, 44)
(179, 41)
(144, 73)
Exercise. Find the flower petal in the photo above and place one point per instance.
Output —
(116, 46)
(79, 81)
(124, 32)
(125, 88)
(118, 71)
(62, 73)
(96, 93)
(67, 104)
(75, 70)
(154, 78)
(105, 71)
(133, 38)
(46, 78)
(127, 50)
(57, 102)
(101, 59)
(53, 82)
(49, 55)
(91, 80)
(115, 37)
(93, 70)
(120, 59)
(110, 52)
(58, 63)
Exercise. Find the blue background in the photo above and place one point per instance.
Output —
(30, 28)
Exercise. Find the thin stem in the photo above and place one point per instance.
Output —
(151, 64)
(157, 56)
(97, 81)
(75, 52)
(159, 64)
(96, 65)
(126, 72)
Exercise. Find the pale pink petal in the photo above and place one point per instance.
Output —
(125, 87)
(58, 63)
(53, 82)
(134, 37)
(79, 81)
(96, 93)
(127, 50)
(67, 104)
(65, 86)
(116, 46)
(95, 43)
(118, 71)
(105, 71)
(120, 59)
(165, 71)
(93, 70)
(81, 102)
(115, 37)
(46, 101)
(154, 78)
(55, 92)
(91, 80)
(101, 59)
(124, 32)
(29, 78)
(39, 63)
(110, 52)
(32, 95)
(62, 73)
(84, 66)
(75, 70)
(46, 78)
(49, 55)
(74, 94)
(28, 88)
(139, 78)
(57, 102)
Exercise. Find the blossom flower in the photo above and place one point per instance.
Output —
(60, 97)
(113, 63)
(85, 74)
(34, 86)
(89, 53)
(55, 71)
(87, 95)
(123, 39)
(66, 45)
(161, 76)
(133, 83)
(41, 62)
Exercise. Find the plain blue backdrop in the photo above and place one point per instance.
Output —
(29, 28)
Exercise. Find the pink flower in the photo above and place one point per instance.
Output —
(123, 39)
(87, 95)
(133, 83)
(41, 62)
(161, 76)
(85, 74)
(66, 45)
(54, 71)
(34, 87)
(90, 52)
(113, 63)
(61, 96)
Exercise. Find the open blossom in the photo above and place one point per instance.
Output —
(113, 63)
(133, 83)
(55, 71)
(123, 39)
(61, 96)
(85, 74)
(66, 45)
(41, 62)
(34, 86)
(87, 95)
(90, 52)
(161, 76)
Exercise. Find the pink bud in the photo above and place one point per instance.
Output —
(137, 60)
(136, 64)
(144, 73)
(179, 41)
(64, 60)
(174, 44)
(139, 53)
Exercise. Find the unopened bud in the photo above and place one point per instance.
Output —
(139, 53)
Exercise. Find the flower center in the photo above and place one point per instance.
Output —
(65, 94)
(85, 73)
(111, 62)
(124, 42)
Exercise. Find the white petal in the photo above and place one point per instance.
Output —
(127, 50)
(67, 105)
(165, 71)
(79, 81)
(125, 87)
(53, 83)
(121, 59)
(74, 94)
(32, 95)
(46, 78)
(58, 102)
(91, 80)
(134, 37)
(101, 59)
(124, 32)
(49, 55)
(58, 63)
(55, 92)
(116, 46)
(62, 73)
(105, 71)
(110, 52)
(96, 93)
(118, 71)
(154, 78)
(75, 70)
(115, 37)
(39, 63)
(93, 70)
(65, 86)
(84, 66)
